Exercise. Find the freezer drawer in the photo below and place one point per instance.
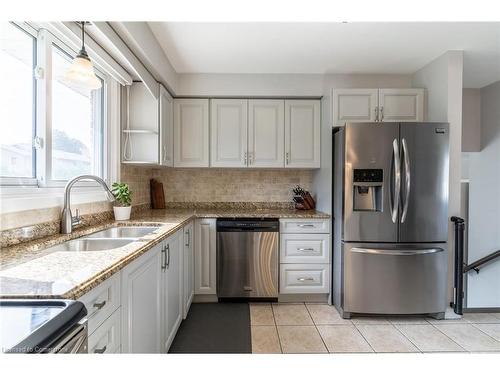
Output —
(395, 279)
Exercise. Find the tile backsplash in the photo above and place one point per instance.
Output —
(230, 185)
(185, 185)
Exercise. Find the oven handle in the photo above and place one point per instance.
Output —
(421, 251)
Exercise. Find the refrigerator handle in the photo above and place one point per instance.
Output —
(397, 181)
(407, 180)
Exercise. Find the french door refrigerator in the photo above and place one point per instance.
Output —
(390, 204)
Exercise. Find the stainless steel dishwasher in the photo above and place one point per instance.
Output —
(247, 258)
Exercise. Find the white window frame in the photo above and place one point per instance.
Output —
(29, 193)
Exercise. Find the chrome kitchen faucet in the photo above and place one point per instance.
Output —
(67, 219)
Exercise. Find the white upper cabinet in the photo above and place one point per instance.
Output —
(302, 134)
(166, 128)
(140, 131)
(355, 105)
(266, 132)
(401, 105)
(191, 129)
(374, 105)
(229, 122)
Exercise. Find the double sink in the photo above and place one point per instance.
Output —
(106, 239)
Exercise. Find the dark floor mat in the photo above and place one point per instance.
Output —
(214, 328)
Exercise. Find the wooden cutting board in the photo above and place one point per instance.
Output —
(157, 194)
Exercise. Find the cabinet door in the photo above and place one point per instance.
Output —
(302, 134)
(188, 252)
(228, 128)
(354, 105)
(172, 286)
(191, 140)
(266, 133)
(205, 257)
(401, 105)
(141, 303)
(166, 128)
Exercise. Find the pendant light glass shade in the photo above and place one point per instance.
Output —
(81, 72)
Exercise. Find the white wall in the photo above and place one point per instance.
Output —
(442, 78)
(483, 289)
(471, 120)
(250, 85)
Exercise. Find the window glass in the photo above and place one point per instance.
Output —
(17, 111)
(76, 124)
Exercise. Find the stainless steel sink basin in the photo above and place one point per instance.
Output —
(91, 244)
(122, 232)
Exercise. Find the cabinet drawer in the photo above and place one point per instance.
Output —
(102, 301)
(304, 278)
(304, 226)
(106, 338)
(305, 248)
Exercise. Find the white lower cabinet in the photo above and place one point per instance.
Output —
(106, 338)
(305, 260)
(142, 286)
(304, 278)
(172, 306)
(188, 253)
(205, 257)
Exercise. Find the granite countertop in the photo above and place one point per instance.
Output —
(31, 270)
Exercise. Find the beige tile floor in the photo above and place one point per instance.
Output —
(318, 328)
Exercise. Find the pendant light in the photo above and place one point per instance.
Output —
(81, 72)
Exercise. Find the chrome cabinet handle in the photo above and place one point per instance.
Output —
(250, 158)
(376, 114)
(163, 258)
(246, 158)
(188, 237)
(287, 158)
(382, 113)
(100, 351)
(303, 279)
(422, 251)
(305, 249)
(168, 256)
(99, 305)
(306, 225)
(397, 181)
(407, 180)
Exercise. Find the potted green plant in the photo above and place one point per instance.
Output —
(123, 197)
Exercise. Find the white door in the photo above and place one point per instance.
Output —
(228, 128)
(188, 251)
(141, 303)
(191, 131)
(354, 105)
(172, 288)
(401, 105)
(166, 128)
(266, 133)
(205, 256)
(302, 133)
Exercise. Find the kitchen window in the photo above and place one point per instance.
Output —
(17, 61)
(50, 131)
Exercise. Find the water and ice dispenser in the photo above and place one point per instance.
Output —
(367, 189)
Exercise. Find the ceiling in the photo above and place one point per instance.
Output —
(344, 48)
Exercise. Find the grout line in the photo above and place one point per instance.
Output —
(317, 330)
(409, 339)
(364, 338)
(486, 333)
(276, 328)
(444, 333)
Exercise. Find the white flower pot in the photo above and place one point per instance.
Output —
(122, 213)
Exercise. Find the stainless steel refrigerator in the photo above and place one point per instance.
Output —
(390, 204)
